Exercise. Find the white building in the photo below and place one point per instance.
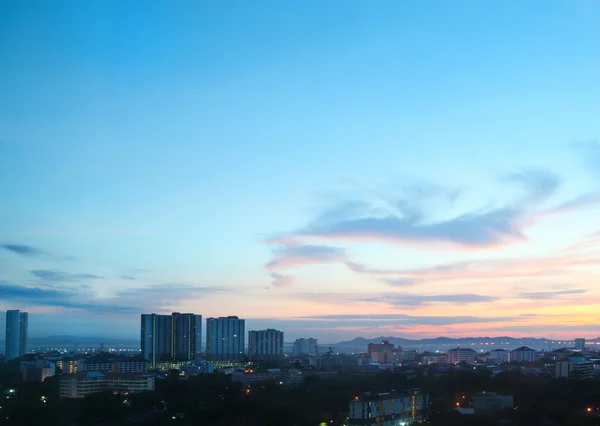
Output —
(522, 354)
(15, 345)
(458, 355)
(499, 355)
(80, 384)
(389, 409)
(304, 346)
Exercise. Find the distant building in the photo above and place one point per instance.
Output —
(265, 345)
(15, 345)
(499, 356)
(523, 354)
(225, 338)
(84, 383)
(175, 337)
(382, 353)
(490, 402)
(393, 408)
(305, 346)
(458, 355)
(435, 359)
(113, 364)
(574, 368)
(37, 371)
(580, 345)
(67, 365)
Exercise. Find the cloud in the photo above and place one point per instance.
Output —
(53, 297)
(127, 277)
(287, 257)
(402, 218)
(24, 250)
(550, 294)
(418, 300)
(61, 276)
(399, 282)
(405, 319)
(180, 291)
(281, 280)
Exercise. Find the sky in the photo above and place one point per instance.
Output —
(332, 169)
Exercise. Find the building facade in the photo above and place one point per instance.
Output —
(175, 337)
(580, 345)
(37, 371)
(84, 383)
(574, 368)
(305, 346)
(499, 355)
(15, 345)
(186, 336)
(265, 345)
(225, 338)
(458, 355)
(523, 354)
(389, 409)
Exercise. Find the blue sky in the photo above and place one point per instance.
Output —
(291, 161)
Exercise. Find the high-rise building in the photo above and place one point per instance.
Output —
(156, 338)
(265, 344)
(170, 337)
(522, 354)
(304, 346)
(580, 345)
(186, 336)
(16, 334)
(225, 338)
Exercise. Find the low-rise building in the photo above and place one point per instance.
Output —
(489, 402)
(196, 369)
(389, 409)
(37, 371)
(499, 356)
(458, 355)
(574, 368)
(83, 383)
(523, 354)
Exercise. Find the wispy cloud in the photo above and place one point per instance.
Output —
(281, 280)
(418, 300)
(59, 276)
(291, 256)
(550, 294)
(404, 319)
(24, 250)
(127, 277)
(53, 297)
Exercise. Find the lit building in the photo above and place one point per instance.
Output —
(435, 359)
(156, 338)
(522, 354)
(382, 353)
(304, 346)
(265, 344)
(117, 366)
(458, 355)
(84, 383)
(15, 345)
(580, 345)
(37, 371)
(225, 338)
(196, 369)
(170, 337)
(186, 336)
(574, 368)
(68, 365)
(499, 355)
(389, 409)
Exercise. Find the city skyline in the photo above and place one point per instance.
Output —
(326, 169)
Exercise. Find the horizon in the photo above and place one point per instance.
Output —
(326, 169)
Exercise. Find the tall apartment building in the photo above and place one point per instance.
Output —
(580, 345)
(225, 338)
(187, 336)
(304, 346)
(265, 344)
(170, 337)
(16, 334)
